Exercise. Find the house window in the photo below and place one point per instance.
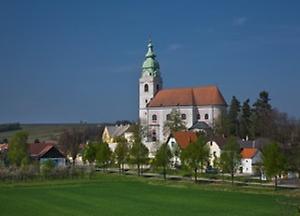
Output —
(168, 117)
(183, 116)
(146, 101)
(154, 118)
(198, 116)
(246, 161)
(146, 88)
(206, 116)
(157, 87)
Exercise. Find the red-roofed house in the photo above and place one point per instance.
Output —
(178, 141)
(249, 158)
(195, 104)
(47, 151)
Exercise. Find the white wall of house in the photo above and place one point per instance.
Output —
(214, 152)
(246, 164)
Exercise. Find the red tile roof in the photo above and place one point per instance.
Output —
(184, 138)
(199, 96)
(248, 152)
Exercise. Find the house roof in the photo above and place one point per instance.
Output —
(40, 149)
(117, 130)
(198, 96)
(248, 152)
(200, 125)
(184, 138)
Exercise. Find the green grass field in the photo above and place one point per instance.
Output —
(116, 195)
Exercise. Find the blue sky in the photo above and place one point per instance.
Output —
(66, 61)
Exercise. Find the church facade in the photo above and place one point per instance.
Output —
(195, 104)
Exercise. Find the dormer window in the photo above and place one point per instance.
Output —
(146, 88)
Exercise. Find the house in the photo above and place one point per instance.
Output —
(250, 158)
(45, 151)
(195, 104)
(110, 134)
(216, 146)
(180, 140)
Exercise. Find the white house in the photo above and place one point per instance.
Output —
(249, 158)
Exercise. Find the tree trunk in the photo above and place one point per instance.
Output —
(276, 182)
(195, 173)
(138, 169)
(232, 178)
(165, 173)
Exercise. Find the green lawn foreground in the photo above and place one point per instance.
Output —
(121, 195)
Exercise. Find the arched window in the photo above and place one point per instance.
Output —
(183, 116)
(198, 116)
(154, 117)
(146, 88)
(206, 116)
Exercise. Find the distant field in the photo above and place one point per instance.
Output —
(115, 195)
(40, 131)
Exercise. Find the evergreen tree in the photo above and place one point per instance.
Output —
(262, 116)
(233, 116)
(18, 149)
(230, 157)
(195, 155)
(221, 127)
(163, 158)
(245, 120)
(273, 161)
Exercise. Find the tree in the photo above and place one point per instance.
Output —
(18, 149)
(89, 152)
(273, 161)
(230, 157)
(103, 155)
(121, 152)
(70, 141)
(174, 122)
(221, 127)
(138, 153)
(245, 120)
(163, 158)
(195, 155)
(262, 116)
(233, 116)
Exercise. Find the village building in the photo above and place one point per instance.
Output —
(195, 104)
(250, 158)
(111, 132)
(46, 151)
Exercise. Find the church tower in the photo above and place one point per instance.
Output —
(150, 82)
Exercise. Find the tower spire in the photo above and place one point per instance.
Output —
(150, 66)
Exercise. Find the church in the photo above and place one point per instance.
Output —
(196, 104)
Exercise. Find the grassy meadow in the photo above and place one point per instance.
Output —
(119, 195)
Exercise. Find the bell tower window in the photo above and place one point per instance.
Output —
(146, 88)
